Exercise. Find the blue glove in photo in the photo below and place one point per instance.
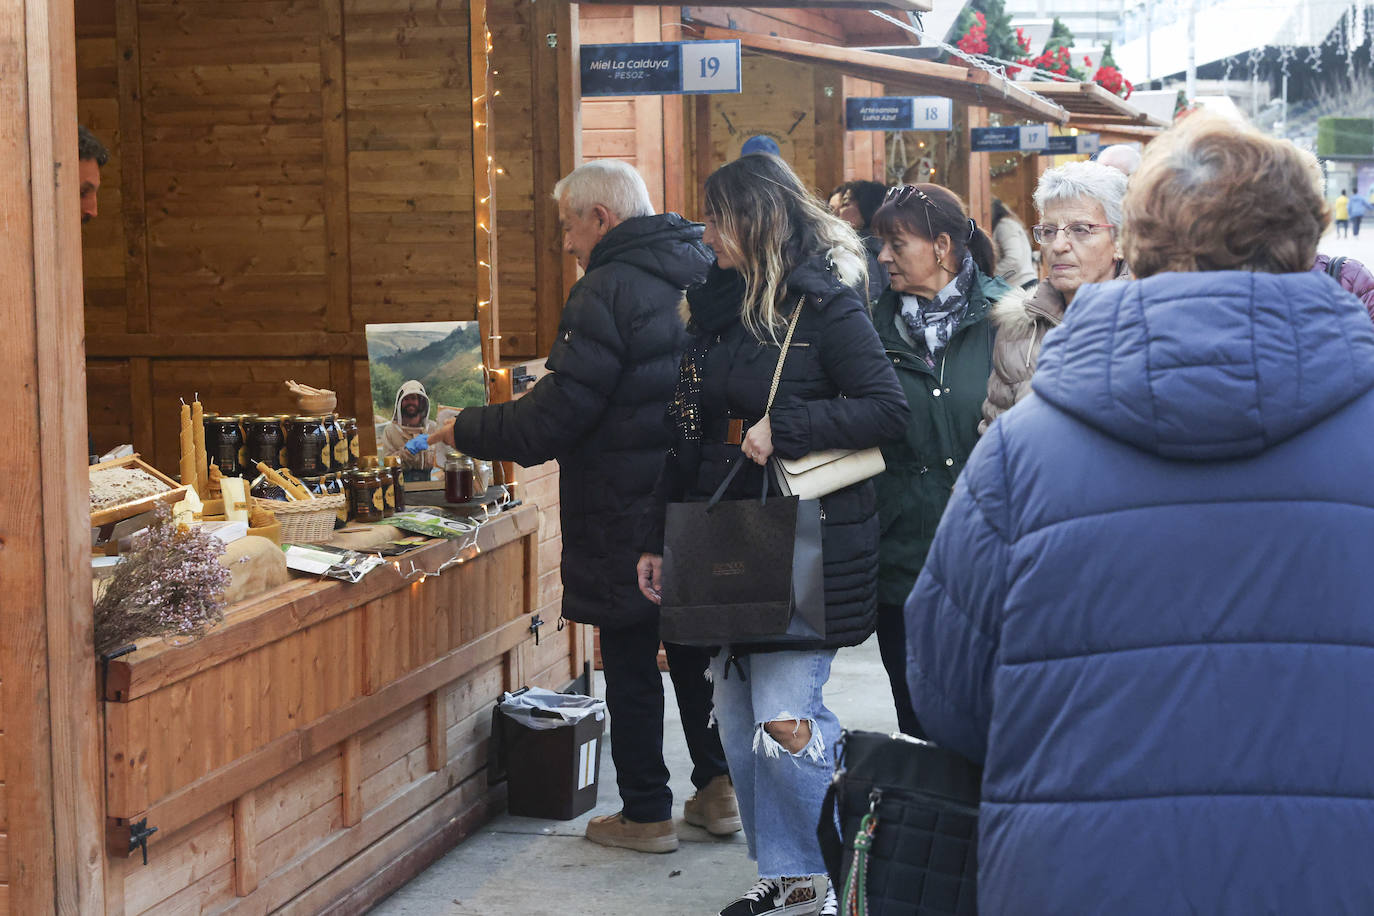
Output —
(418, 444)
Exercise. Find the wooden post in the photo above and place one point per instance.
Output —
(556, 150)
(245, 845)
(674, 125)
(51, 742)
(484, 171)
(437, 719)
(830, 136)
(979, 175)
(352, 766)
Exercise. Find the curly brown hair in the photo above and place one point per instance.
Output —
(1214, 195)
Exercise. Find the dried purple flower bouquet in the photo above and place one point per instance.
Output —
(172, 584)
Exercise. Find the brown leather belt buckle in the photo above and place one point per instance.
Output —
(734, 432)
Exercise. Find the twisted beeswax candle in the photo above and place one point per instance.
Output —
(198, 431)
(188, 448)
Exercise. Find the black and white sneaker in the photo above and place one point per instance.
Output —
(831, 906)
(781, 896)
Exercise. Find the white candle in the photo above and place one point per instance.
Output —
(235, 492)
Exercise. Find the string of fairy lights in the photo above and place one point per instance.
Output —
(471, 528)
(469, 549)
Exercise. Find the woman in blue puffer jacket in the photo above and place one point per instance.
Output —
(1148, 610)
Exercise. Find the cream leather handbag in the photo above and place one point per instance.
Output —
(816, 474)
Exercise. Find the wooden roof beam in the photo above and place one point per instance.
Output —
(964, 83)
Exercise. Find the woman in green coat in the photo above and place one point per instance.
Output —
(933, 323)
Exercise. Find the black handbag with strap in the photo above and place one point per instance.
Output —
(907, 812)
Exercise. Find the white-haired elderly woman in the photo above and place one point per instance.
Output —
(1080, 242)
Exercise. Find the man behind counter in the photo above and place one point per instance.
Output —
(600, 412)
(90, 155)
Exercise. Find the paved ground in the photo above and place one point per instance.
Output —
(1361, 248)
(518, 866)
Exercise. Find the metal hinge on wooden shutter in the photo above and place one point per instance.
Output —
(124, 836)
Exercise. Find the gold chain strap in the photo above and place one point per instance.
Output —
(782, 357)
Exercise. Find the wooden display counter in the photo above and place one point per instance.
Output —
(327, 740)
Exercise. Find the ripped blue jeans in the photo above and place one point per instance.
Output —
(779, 792)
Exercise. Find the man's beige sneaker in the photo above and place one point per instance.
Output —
(615, 830)
(714, 807)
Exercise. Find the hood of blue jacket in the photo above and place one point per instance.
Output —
(1208, 366)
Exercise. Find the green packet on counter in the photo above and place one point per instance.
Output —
(431, 524)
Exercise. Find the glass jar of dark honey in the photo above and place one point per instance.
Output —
(223, 442)
(307, 447)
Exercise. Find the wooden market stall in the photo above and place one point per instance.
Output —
(1091, 109)
(798, 67)
(282, 174)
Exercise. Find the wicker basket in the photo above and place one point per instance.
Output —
(307, 521)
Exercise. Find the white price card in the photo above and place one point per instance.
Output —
(1036, 136)
(586, 764)
(932, 113)
(710, 66)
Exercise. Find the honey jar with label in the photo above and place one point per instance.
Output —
(393, 466)
(365, 496)
(350, 428)
(223, 444)
(263, 441)
(307, 447)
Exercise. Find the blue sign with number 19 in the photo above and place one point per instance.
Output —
(661, 68)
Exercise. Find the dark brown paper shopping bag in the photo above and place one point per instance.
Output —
(743, 570)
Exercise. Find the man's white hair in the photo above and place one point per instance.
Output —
(1083, 181)
(611, 183)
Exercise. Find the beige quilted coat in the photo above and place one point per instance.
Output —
(1022, 318)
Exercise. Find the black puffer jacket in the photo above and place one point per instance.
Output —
(838, 391)
(600, 410)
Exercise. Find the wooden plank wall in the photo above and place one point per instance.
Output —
(532, 155)
(282, 174)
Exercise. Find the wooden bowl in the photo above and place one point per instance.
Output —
(314, 405)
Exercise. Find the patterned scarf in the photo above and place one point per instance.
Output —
(714, 306)
(931, 322)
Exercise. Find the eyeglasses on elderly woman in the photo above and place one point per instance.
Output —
(1077, 232)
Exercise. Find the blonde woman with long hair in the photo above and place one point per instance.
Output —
(779, 249)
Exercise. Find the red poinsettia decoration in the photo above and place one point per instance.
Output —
(1110, 78)
(976, 41)
(1054, 61)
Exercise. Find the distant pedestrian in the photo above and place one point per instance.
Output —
(1359, 207)
(1148, 610)
(933, 322)
(1080, 241)
(1011, 244)
(1120, 156)
(1353, 276)
(1341, 208)
(859, 200)
(778, 250)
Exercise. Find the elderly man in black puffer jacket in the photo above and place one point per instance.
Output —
(600, 414)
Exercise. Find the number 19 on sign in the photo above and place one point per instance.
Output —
(710, 66)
